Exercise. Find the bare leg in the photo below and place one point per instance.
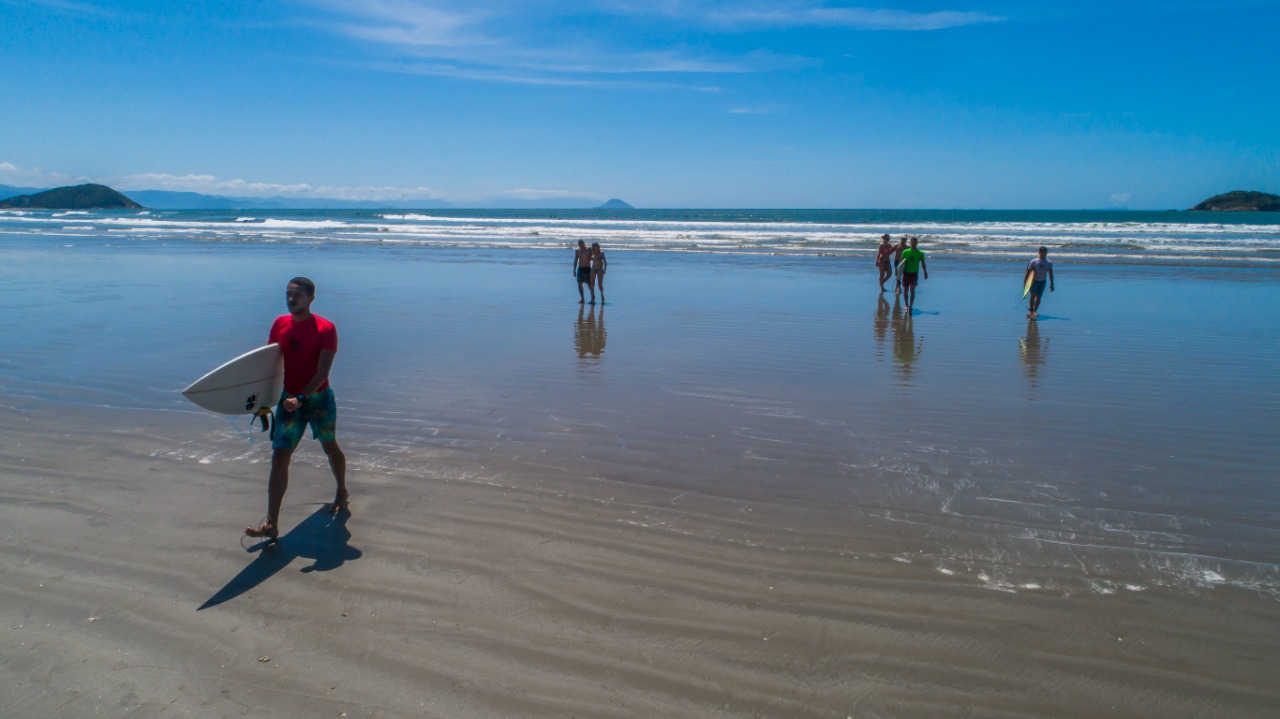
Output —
(600, 284)
(277, 485)
(337, 463)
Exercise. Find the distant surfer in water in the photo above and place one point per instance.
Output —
(1042, 268)
(309, 343)
(911, 265)
(598, 265)
(582, 270)
(884, 261)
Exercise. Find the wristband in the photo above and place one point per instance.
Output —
(302, 398)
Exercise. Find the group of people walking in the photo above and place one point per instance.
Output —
(905, 261)
(589, 265)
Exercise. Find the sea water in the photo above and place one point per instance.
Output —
(1082, 236)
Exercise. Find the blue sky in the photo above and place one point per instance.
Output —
(791, 103)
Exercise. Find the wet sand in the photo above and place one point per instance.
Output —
(743, 488)
(512, 590)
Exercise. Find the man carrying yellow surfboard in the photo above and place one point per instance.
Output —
(1034, 280)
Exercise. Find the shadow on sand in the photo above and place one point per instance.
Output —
(322, 538)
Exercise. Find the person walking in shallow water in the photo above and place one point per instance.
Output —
(1041, 267)
(911, 265)
(309, 343)
(582, 270)
(598, 265)
(897, 264)
(884, 261)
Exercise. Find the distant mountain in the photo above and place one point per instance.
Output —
(168, 200)
(1240, 201)
(7, 191)
(615, 204)
(77, 197)
(165, 200)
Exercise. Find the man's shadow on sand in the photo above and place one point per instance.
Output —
(322, 538)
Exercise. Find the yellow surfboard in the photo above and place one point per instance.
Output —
(1026, 289)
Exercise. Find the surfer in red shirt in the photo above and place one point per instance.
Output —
(309, 343)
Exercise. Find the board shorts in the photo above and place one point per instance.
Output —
(1037, 287)
(910, 279)
(584, 274)
(320, 411)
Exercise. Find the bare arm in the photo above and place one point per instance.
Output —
(322, 371)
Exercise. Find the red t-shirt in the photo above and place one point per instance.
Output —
(301, 343)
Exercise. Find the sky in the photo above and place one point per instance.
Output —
(995, 104)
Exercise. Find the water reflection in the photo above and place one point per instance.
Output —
(1034, 351)
(882, 324)
(589, 334)
(906, 348)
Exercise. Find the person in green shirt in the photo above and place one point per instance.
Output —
(911, 265)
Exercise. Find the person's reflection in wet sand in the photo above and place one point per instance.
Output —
(906, 349)
(1034, 351)
(589, 334)
(881, 324)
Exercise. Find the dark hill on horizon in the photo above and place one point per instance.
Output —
(615, 204)
(76, 197)
(1240, 201)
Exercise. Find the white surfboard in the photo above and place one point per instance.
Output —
(245, 385)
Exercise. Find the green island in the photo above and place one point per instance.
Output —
(1240, 201)
(77, 197)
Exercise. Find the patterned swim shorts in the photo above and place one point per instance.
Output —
(320, 411)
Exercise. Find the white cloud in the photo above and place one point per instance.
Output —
(11, 174)
(783, 14)
(1121, 198)
(517, 42)
(404, 22)
(854, 18)
(82, 8)
(210, 185)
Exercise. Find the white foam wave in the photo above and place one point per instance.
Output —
(1213, 242)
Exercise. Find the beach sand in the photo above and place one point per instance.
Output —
(743, 488)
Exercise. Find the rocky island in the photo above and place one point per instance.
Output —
(615, 204)
(77, 197)
(1240, 201)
